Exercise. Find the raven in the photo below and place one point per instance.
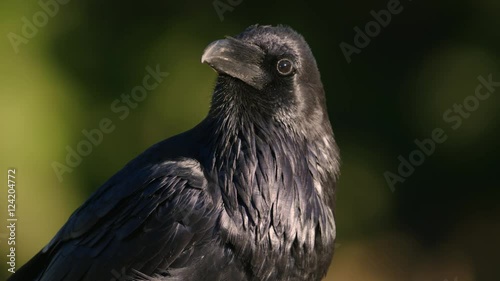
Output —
(247, 194)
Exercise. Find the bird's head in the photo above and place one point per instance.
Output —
(269, 71)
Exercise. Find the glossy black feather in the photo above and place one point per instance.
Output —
(248, 194)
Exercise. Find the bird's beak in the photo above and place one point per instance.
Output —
(237, 59)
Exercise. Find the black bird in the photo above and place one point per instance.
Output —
(248, 194)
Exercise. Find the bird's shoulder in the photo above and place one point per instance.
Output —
(163, 171)
(157, 207)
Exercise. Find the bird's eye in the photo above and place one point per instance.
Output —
(284, 67)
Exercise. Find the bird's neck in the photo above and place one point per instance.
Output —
(277, 185)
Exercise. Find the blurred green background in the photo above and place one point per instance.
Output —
(441, 223)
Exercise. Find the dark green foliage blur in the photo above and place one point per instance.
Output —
(441, 222)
